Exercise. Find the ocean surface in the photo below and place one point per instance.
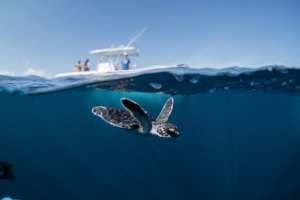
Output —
(240, 136)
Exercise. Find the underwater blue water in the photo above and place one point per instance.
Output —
(240, 137)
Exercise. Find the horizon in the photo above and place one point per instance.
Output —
(50, 37)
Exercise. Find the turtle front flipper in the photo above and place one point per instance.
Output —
(139, 114)
(166, 111)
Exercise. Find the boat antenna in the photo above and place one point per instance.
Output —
(136, 37)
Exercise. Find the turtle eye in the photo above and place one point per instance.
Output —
(172, 132)
(135, 126)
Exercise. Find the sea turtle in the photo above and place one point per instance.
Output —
(136, 118)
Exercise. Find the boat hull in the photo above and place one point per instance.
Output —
(118, 72)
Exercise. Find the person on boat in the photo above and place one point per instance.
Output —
(78, 66)
(87, 65)
(126, 62)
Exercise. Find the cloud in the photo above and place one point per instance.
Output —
(34, 71)
(220, 55)
(7, 73)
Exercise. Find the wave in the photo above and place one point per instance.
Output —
(175, 80)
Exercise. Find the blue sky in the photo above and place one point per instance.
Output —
(53, 34)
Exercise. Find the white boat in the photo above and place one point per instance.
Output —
(109, 61)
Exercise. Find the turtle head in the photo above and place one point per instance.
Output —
(168, 130)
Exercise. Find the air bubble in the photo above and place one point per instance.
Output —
(156, 86)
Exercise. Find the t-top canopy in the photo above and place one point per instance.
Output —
(131, 51)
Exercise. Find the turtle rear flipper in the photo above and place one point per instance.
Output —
(116, 117)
